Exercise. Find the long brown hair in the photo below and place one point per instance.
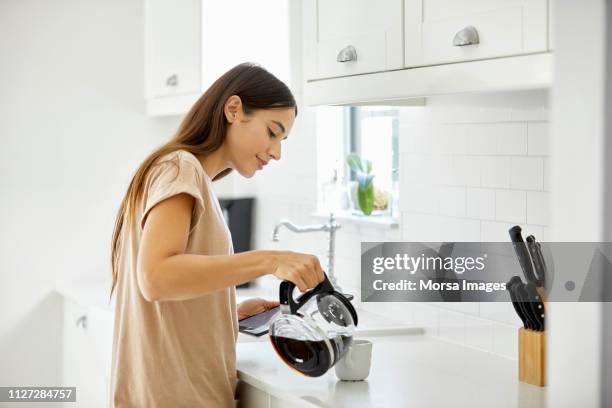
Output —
(203, 131)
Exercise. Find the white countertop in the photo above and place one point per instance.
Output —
(407, 371)
(95, 293)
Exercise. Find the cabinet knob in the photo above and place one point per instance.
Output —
(348, 53)
(82, 322)
(467, 36)
(172, 80)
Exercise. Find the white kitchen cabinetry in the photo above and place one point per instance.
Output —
(87, 353)
(348, 37)
(250, 396)
(190, 43)
(448, 46)
(172, 52)
(443, 31)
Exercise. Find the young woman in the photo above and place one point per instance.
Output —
(174, 270)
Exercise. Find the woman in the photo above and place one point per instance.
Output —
(176, 320)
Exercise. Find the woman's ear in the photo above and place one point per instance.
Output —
(233, 108)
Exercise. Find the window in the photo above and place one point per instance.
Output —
(370, 131)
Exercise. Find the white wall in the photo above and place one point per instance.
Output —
(73, 130)
(471, 167)
(578, 180)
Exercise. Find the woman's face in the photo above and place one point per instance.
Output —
(253, 140)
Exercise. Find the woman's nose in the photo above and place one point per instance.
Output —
(275, 152)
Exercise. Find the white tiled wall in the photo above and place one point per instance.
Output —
(471, 167)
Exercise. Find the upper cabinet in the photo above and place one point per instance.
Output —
(443, 31)
(397, 51)
(172, 33)
(348, 37)
(190, 43)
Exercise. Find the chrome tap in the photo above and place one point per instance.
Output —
(330, 227)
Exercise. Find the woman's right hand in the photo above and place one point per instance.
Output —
(302, 269)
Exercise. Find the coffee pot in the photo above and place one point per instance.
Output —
(314, 331)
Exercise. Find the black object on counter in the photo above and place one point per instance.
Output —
(522, 253)
(539, 264)
(536, 304)
(510, 287)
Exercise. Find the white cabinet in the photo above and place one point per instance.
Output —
(443, 31)
(348, 37)
(397, 52)
(251, 397)
(190, 43)
(87, 353)
(172, 54)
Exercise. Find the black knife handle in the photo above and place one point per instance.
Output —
(530, 313)
(515, 304)
(522, 253)
(536, 257)
(536, 304)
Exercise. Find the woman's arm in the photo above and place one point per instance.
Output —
(165, 272)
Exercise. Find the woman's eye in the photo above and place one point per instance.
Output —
(271, 133)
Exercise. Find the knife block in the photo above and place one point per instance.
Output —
(532, 357)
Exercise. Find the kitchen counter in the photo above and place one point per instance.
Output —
(407, 371)
(94, 293)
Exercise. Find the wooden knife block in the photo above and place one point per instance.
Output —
(532, 357)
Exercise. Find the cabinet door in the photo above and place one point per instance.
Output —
(348, 37)
(87, 350)
(172, 47)
(251, 397)
(488, 29)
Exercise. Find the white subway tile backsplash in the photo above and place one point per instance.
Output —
(481, 203)
(547, 174)
(510, 206)
(413, 169)
(465, 230)
(537, 208)
(482, 139)
(494, 231)
(538, 139)
(452, 201)
(527, 173)
(485, 159)
(465, 171)
(511, 138)
(453, 139)
(420, 198)
(495, 171)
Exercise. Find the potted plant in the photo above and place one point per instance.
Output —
(365, 188)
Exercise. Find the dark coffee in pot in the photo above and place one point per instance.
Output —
(311, 358)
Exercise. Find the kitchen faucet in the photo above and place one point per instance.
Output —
(330, 227)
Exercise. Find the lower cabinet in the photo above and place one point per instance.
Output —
(87, 353)
(249, 396)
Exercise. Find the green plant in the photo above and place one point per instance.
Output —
(365, 190)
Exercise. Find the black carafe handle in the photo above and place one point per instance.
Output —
(286, 294)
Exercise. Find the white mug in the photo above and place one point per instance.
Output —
(355, 365)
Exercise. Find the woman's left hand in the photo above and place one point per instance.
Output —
(254, 306)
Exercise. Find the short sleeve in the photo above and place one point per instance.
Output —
(174, 174)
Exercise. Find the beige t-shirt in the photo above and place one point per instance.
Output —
(175, 353)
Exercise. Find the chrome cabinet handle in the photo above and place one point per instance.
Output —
(467, 36)
(348, 53)
(172, 80)
(82, 322)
